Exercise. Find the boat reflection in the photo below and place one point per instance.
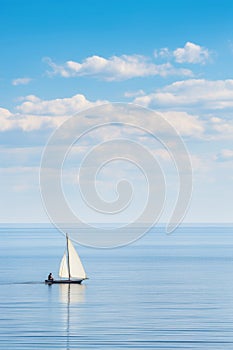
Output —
(71, 295)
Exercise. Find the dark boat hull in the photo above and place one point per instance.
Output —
(63, 281)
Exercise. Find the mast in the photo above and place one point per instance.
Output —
(68, 257)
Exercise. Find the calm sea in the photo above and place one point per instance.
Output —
(162, 292)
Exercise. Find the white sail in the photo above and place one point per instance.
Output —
(76, 267)
(63, 271)
(75, 264)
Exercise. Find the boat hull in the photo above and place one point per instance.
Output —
(63, 281)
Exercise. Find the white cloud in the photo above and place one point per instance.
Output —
(118, 68)
(5, 121)
(115, 68)
(191, 53)
(223, 127)
(59, 106)
(163, 53)
(10, 121)
(35, 114)
(185, 124)
(192, 92)
(21, 81)
(134, 93)
(33, 122)
(225, 155)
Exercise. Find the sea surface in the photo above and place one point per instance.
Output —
(161, 292)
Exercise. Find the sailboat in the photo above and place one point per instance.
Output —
(71, 268)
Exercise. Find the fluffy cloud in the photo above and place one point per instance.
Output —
(225, 155)
(115, 68)
(134, 93)
(185, 124)
(5, 121)
(163, 53)
(35, 114)
(21, 81)
(222, 128)
(59, 106)
(192, 92)
(190, 53)
(10, 121)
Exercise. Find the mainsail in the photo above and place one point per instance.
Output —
(71, 265)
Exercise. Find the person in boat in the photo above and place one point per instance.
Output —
(50, 277)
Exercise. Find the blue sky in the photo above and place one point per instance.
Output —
(60, 57)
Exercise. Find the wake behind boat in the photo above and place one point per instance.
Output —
(71, 268)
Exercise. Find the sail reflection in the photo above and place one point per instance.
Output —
(72, 293)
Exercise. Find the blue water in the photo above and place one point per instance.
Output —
(162, 292)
